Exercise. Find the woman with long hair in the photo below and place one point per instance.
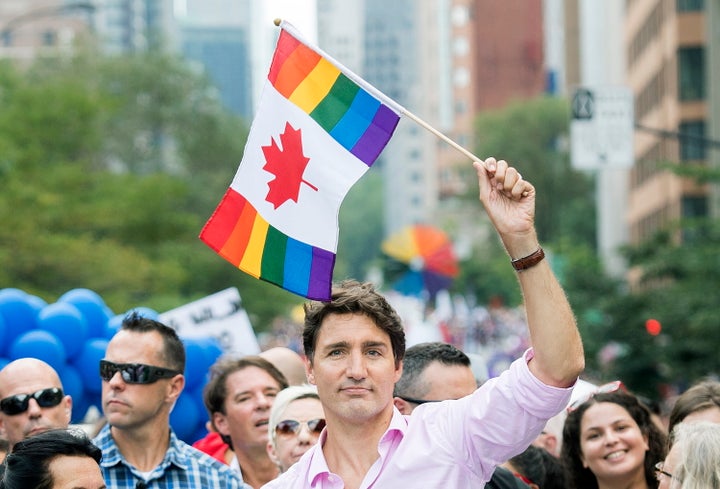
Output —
(611, 442)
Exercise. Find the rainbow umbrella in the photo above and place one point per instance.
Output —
(419, 259)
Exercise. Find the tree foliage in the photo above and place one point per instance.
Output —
(109, 168)
(529, 135)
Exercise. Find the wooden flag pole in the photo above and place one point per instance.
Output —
(422, 123)
(437, 133)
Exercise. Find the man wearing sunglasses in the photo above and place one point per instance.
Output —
(31, 400)
(355, 346)
(142, 378)
(437, 371)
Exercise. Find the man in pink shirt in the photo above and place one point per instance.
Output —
(355, 345)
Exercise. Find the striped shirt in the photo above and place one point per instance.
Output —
(183, 467)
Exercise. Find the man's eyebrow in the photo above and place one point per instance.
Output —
(337, 344)
(374, 344)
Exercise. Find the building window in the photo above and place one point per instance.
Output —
(692, 144)
(693, 207)
(691, 73)
(49, 38)
(690, 5)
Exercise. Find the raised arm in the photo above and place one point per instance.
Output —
(510, 202)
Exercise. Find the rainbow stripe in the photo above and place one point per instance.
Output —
(357, 120)
(355, 115)
(240, 235)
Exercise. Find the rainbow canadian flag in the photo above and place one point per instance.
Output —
(318, 129)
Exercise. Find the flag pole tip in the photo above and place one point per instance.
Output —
(277, 21)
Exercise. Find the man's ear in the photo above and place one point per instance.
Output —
(175, 387)
(219, 421)
(309, 371)
(402, 405)
(68, 408)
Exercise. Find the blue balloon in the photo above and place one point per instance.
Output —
(2, 332)
(199, 434)
(65, 321)
(71, 381)
(73, 387)
(113, 325)
(213, 350)
(92, 307)
(197, 362)
(184, 417)
(88, 363)
(80, 406)
(39, 344)
(145, 312)
(81, 293)
(18, 315)
(197, 396)
(3, 362)
(36, 303)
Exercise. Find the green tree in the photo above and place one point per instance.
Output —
(675, 285)
(87, 197)
(528, 134)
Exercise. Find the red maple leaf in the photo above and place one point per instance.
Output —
(288, 165)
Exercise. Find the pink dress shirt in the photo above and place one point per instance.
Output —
(450, 444)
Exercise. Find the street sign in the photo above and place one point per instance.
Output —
(602, 128)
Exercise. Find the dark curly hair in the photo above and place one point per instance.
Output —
(571, 454)
(353, 297)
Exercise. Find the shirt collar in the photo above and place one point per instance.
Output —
(112, 456)
(318, 465)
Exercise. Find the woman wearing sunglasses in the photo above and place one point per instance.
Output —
(610, 441)
(296, 421)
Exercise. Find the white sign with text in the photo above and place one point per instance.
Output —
(220, 316)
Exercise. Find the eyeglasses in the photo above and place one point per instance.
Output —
(19, 403)
(288, 427)
(614, 386)
(135, 373)
(660, 472)
(417, 401)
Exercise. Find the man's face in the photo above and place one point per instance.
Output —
(129, 406)
(448, 381)
(27, 376)
(75, 472)
(250, 395)
(353, 368)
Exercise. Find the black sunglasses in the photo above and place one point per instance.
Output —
(288, 427)
(19, 403)
(135, 373)
(417, 401)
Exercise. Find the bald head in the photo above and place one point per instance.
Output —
(288, 362)
(27, 368)
(27, 377)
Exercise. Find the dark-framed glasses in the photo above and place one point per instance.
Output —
(614, 386)
(135, 373)
(290, 427)
(417, 401)
(660, 471)
(19, 403)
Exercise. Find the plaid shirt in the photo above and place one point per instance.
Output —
(183, 467)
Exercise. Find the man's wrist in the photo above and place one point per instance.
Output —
(528, 261)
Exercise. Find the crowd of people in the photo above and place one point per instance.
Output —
(361, 410)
